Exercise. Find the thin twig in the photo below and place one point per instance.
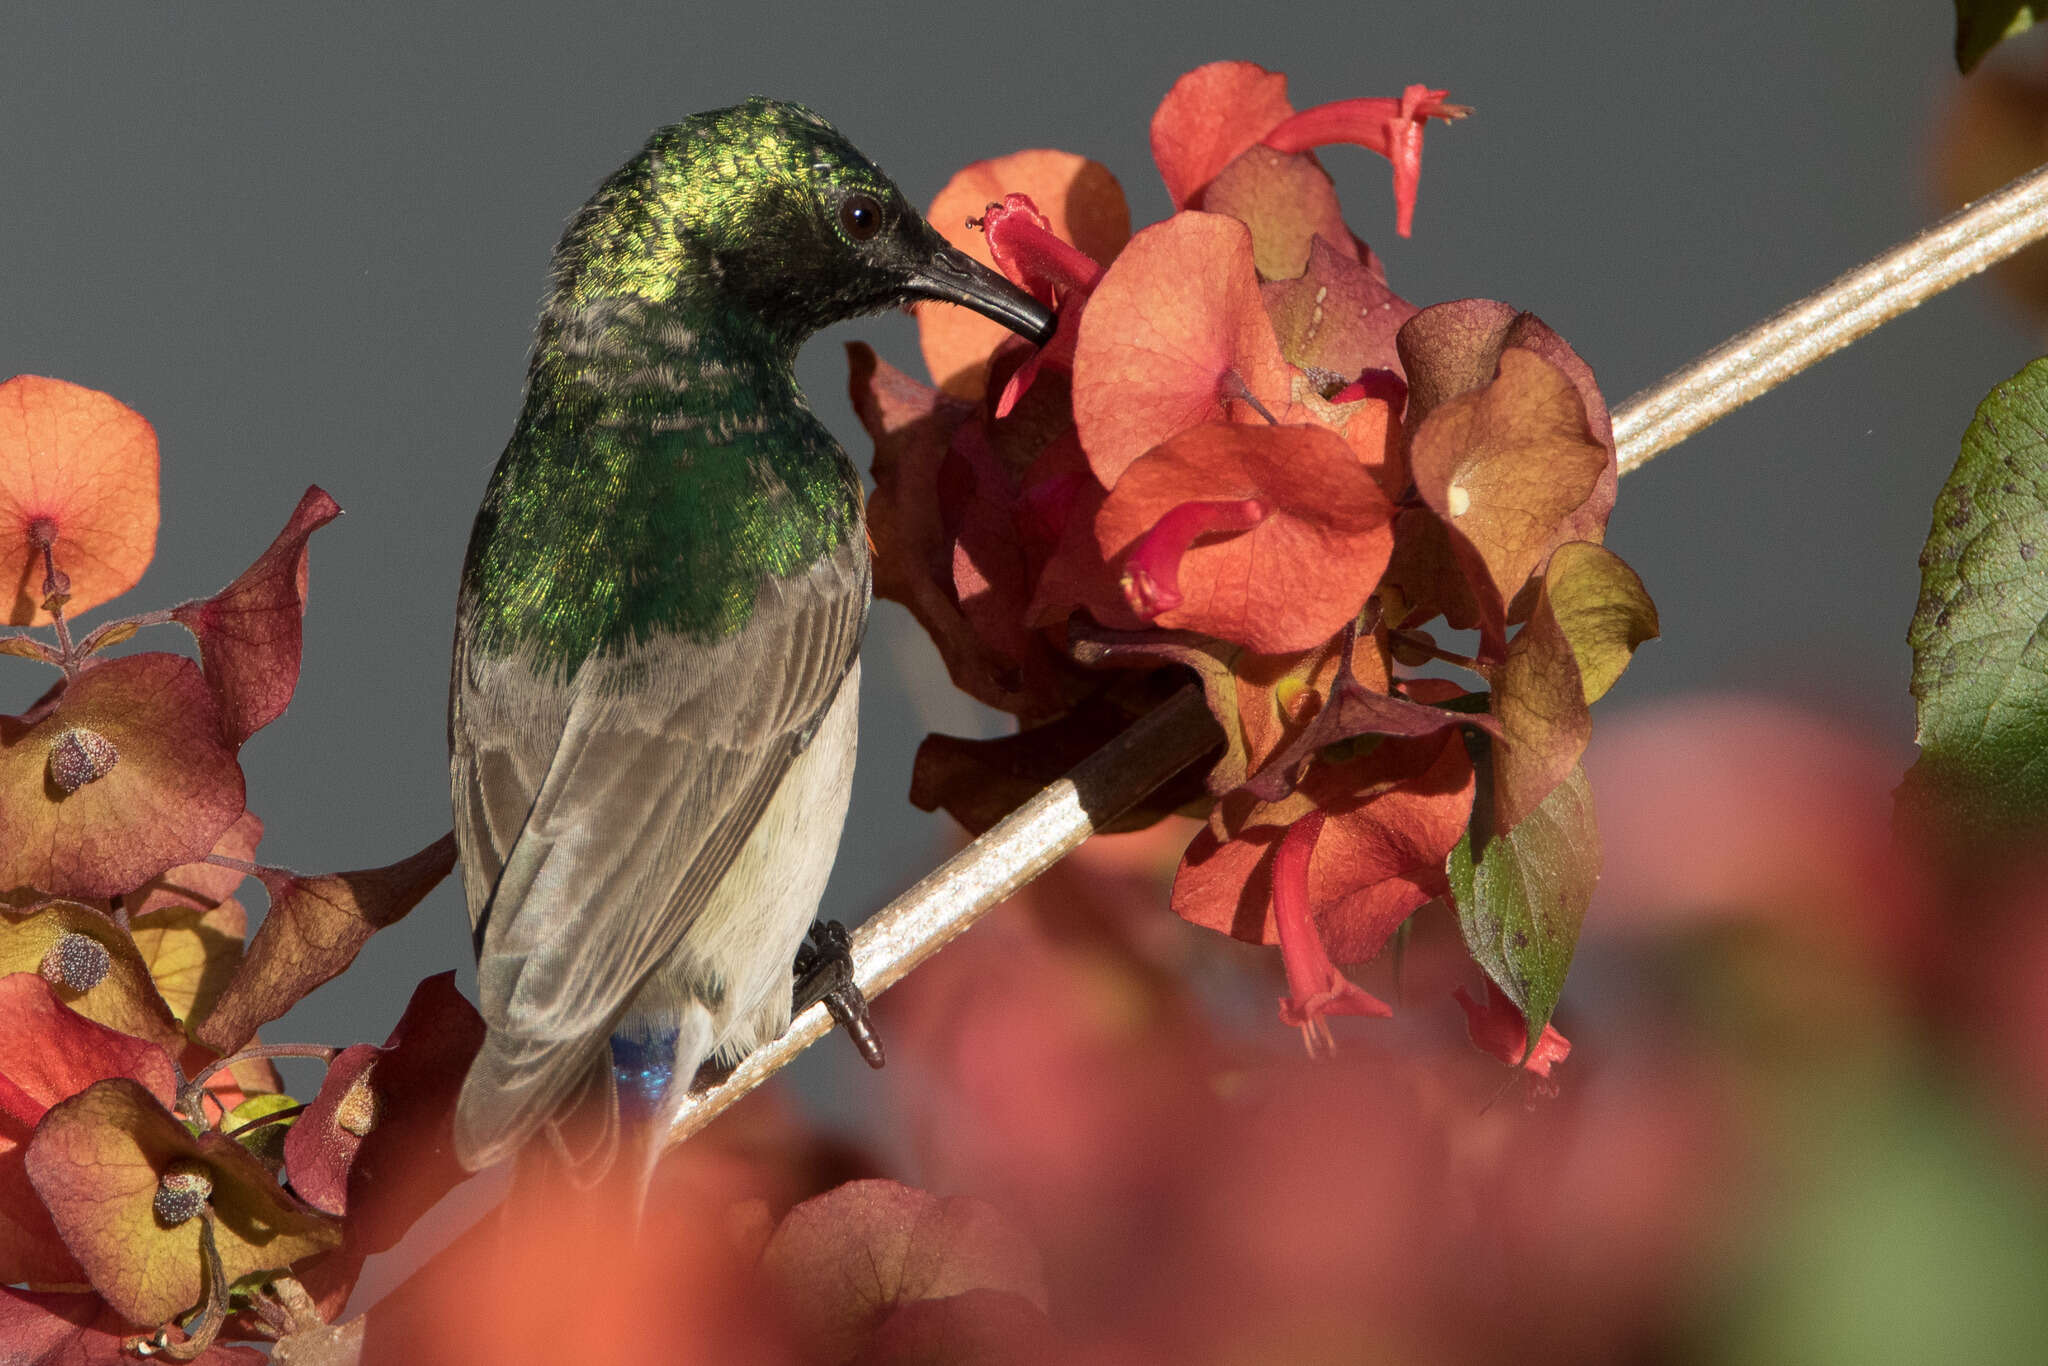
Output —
(240, 865)
(192, 1095)
(1974, 237)
(114, 632)
(56, 592)
(1054, 823)
(278, 1116)
(201, 1329)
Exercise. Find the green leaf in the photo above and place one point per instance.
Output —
(1980, 633)
(265, 1142)
(1589, 615)
(1983, 24)
(1540, 699)
(1521, 901)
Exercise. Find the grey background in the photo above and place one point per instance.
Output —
(308, 243)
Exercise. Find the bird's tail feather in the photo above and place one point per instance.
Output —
(649, 1136)
(516, 1087)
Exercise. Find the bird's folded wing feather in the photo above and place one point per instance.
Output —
(655, 778)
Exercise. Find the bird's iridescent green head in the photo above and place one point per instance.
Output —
(765, 215)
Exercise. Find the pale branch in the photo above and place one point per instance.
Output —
(1109, 782)
(986, 873)
(1744, 367)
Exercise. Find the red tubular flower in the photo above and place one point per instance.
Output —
(1498, 1028)
(1030, 253)
(1151, 578)
(1315, 988)
(1083, 206)
(1386, 385)
(1393, 128)
(1026, 249)
(1059, 353)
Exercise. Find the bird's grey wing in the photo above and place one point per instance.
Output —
(665, 759)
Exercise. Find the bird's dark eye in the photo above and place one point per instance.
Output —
(861, 216)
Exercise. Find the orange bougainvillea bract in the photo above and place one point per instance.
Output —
(78, 477)
(1244, 455)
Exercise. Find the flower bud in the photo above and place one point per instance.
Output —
(75, 962)
(359, 1108)
(81, 756)
(184, 1187)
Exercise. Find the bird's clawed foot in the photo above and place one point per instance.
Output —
(824, 972)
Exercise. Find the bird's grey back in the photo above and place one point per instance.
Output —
(598, 815)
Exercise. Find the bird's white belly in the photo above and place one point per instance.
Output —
(733, 966)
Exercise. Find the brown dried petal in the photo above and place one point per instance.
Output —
(1288, 203)
(124, 999)
(250, 633)
(202, 883)
(76, 1328)
(314, 929)
(917, 552)
(176, 789)
(49, 1052)
(1505, 467)
(99, 1161)
(848, 1258)
(377, 1143)
(1338, 315)
(191, 953)
(1589, 614)
(1451, 348)
(1540, 701)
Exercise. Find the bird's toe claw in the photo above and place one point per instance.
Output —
(824, 972)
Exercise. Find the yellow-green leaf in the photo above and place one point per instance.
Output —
(1602, 608)
(191, 953)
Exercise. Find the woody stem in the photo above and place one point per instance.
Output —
(1420, 640)
(1759, 360)
(53, 601)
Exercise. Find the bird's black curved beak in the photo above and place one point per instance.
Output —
(956, 277)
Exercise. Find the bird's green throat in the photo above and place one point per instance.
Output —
(650, 488)
(665, 462)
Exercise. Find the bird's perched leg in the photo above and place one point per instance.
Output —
(824, 972)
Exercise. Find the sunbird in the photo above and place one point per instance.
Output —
(656, 677)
